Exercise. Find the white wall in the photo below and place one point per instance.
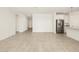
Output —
(66, 18)
(7, 23)
(55, 17)
(74, 19)
(43, 22)
(22, 23)
(30, 22)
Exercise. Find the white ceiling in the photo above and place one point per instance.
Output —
(31, 10)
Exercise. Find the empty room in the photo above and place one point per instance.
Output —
(39, 29)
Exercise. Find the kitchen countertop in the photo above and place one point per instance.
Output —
(72, 28)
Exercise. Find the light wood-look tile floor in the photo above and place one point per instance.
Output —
(39, 42)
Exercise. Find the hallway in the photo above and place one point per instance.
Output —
(39, 42)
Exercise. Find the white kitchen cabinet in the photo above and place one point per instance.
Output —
(60, 16)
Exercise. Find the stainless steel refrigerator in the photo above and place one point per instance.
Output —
(59, 26)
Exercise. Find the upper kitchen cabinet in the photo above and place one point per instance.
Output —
(59, 16)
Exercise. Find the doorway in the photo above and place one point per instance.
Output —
(30, 23)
